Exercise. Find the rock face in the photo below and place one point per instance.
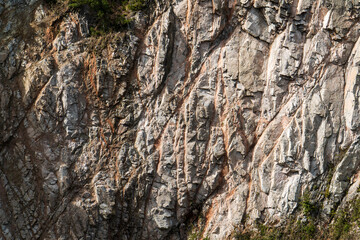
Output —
(228, 111)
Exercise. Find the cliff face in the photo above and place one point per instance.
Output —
(221, 112)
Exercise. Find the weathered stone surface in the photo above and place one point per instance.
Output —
(223, 113)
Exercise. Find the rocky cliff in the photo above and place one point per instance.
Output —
(199, 119)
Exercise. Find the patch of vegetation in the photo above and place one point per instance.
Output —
(345, 220)
(196, 234)
(196, 230)
(355, 212)
(342, 225)
(108, 15)
(328, 181)
(267, 233)
(338, 157)
(309, 208)
(242, 236)
(136, 5)
(341, 154)
(307, 230)
(345, 225)
(293, 230)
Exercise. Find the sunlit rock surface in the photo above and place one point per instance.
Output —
(228, 111)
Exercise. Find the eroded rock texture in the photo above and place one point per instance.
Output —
(225, 110)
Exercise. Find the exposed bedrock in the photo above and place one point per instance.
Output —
(224, 110)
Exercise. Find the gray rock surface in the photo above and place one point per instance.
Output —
(224, 111)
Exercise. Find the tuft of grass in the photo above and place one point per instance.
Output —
(309, 208)
(345, 219)
(342, 225)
